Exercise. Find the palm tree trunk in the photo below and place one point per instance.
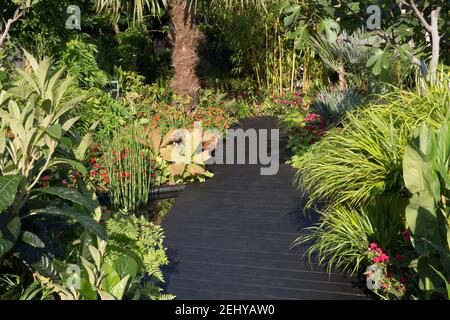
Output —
(186, 36)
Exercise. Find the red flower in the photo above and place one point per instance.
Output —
(373, 246)
(46, 178)
(93, 173)
(403, 279)
(92, 160)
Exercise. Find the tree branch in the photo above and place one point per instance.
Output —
(419, 15)
(17, 15)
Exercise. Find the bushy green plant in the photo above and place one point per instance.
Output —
(101, 108)
(363, 160)
(33, 139)
(80, 57)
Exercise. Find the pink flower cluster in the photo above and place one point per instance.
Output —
(312, 116)
(379, 257)
(315, 126)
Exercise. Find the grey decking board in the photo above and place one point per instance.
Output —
(230, 238)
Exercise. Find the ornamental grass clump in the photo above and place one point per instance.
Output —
(356, 170)
(363, 160)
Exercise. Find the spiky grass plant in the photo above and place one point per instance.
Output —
(334, 104)
(342, 236)
(362, 161)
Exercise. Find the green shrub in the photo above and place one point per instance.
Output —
(80, 58)
(101, 108)
(362, 161)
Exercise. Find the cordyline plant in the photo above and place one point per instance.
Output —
(34, 118)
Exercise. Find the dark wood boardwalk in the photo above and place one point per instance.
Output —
(229, 238)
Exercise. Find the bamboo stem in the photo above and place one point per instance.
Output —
(280, 59)
(293, 68)
(267, 55)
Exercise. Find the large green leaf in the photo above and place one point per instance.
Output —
(31, 249)
(55, 131)
(125, 265)
(74, 164)
(9, 235)
(8, 190)
(331, 29)
(32, 239)
(443, 141)
(293, 11)
(119, 289)
(71, 195)
(302, 38)
(417, 170)
(82, 218)
(422, 220)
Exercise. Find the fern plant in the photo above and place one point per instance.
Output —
(140, 239)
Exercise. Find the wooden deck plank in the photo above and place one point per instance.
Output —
(230, 238)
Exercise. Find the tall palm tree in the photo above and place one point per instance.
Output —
(185, 35)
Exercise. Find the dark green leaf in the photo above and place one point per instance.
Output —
(9, 235)
(71, 195)
(85, 220)
(55, 131)
(8, 190)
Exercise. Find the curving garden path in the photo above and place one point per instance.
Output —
(229, 238)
